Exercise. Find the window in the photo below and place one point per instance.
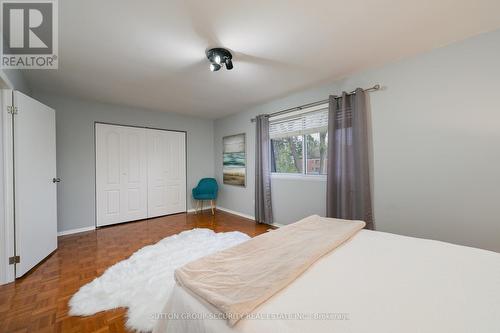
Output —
(316, 157)
(287, 154)
(299, 142)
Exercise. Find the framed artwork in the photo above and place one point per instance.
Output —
(234, 166)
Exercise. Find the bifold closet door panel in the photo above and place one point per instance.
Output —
(121, 174)
(108, 174)
(134, 174)
(166, 172)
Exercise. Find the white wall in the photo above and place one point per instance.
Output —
(436, 145)
(14, 79)
(3, 236)
(9, 79)
(76, 156)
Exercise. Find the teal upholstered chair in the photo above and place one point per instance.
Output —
(206, 190)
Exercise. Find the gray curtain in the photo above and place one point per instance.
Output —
(263, 205)
(348, 177)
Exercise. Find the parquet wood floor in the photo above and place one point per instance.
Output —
(38, 302)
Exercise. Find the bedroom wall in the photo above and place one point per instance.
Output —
(9, 79)
(436, 139)
(3, 236)
(14, 79)
(75, 150)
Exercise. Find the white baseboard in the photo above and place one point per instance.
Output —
(278, 225)
(250, 217)
(74, 231)
(192, 210)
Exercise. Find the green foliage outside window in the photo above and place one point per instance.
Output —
(288, 153)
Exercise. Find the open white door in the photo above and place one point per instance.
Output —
(35, 180)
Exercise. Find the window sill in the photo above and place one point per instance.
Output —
(303, 177)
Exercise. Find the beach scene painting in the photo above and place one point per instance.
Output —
(234, 160)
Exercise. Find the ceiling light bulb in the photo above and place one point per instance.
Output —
(214, 67)
(217, 59)
(229, 64)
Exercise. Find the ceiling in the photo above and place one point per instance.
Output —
(151, 54)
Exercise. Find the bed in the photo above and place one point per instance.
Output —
(374, 282)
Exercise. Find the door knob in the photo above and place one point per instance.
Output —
(56, 180)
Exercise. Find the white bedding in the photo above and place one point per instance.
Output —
(376, 282)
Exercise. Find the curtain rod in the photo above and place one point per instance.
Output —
(297, 108)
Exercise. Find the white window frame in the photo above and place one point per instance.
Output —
(298, 176)
(302, 175)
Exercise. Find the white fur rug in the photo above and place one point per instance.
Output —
(143, 282)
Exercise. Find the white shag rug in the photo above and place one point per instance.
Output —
(144, 281)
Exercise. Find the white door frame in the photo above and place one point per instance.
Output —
(7, 228)
(135, 126)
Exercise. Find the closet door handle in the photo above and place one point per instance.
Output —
(56, 180)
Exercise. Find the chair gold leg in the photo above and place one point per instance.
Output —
(212, 206)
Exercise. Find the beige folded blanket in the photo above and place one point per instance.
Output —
(239, 279)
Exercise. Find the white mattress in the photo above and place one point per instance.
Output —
(376, 282)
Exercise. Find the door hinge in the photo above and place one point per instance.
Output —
(12, 109)
(14, 260)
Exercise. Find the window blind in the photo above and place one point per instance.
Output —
(301, 124)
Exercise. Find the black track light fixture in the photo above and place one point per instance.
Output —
(219, 57)
(215, 67)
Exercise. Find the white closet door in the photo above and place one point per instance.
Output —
(121, 174)
(166, 172)
(35, 191)
(134, 174)
(108, 174)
